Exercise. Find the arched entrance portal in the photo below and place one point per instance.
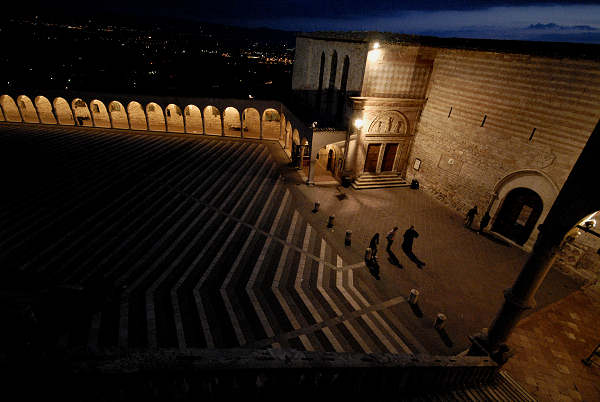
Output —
(518, 215)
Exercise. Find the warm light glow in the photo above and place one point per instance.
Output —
(358, 123)
(376, 45)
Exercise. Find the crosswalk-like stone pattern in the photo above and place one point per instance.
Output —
(198, 241)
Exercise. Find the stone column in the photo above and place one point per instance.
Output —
(518, 299)
(346, 146)
(311, 171)
(300, 155)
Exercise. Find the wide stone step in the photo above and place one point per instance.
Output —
(382, 180)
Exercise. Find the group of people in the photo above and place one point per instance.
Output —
(407, 245)
(485, 219)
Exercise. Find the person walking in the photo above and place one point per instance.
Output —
(373, 245)
(390, 237)
(470, 216)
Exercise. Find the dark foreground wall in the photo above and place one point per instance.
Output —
(265, 374)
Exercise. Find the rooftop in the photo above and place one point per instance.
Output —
(584, 51)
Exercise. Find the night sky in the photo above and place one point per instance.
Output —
(560, 20)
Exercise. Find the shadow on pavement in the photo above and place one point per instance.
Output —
(373, 267)
(445, 338)
(409, 253)
(416, 310)
(495, 239)
(393, 259)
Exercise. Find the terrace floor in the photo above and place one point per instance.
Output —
(184, 242)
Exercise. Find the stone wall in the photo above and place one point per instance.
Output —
(489, 115)
(307, 64)
(398, 72)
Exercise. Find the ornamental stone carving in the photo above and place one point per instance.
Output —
(389, 123)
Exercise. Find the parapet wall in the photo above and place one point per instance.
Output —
(289, 374)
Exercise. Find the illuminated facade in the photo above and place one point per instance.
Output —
(488, 123)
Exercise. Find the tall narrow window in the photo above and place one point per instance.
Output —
(333, 70)
(345, 69)
(321, 71)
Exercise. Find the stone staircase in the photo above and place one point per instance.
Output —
(381, 180)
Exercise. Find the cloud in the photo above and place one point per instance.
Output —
(556, 27)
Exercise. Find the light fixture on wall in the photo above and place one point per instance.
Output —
(376, 45)
(358, 123)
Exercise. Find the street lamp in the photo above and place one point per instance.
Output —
(358, 124)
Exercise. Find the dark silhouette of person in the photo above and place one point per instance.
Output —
(470, 216)
(409, 236)
(485, 220)
(390, 237)
(373, 245)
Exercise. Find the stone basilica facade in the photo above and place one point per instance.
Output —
(496, 124)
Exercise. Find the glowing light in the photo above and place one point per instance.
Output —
(376, 45)
(358, 123)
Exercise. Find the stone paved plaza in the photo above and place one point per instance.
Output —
(191, 242)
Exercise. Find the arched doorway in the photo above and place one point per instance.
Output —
(99, 114)
(193, 119)
(118, 115)
(518, 215)
(82, 113)
(271, 125)
(11, 111)
(174, 119)
(137, 116)
(28, 111)
(155, 116)
(63, 111)
(212, 121)
(44, 108)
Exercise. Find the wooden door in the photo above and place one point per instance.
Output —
(330, 160)
(388, 157)
(518, 215)
(372, 157)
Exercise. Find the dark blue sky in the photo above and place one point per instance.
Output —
(506, 19)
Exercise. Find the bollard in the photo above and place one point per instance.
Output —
(368, 252)
(440, 322)
(330, 221)
(413, 296)
(348, 239)
(316, 208)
